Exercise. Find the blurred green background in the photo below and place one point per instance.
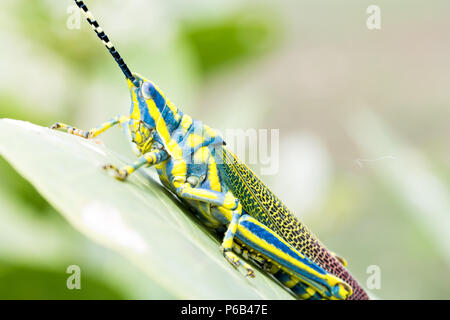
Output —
(363, 117)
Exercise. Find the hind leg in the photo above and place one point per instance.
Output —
(293, 263)
(231, 211)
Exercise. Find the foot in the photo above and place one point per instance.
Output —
(234, 260)
(119, 174)
(71, 130)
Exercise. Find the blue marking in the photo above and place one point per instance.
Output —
(197, 170)
(169, 118)
(168, 115)
(271, 239)
(143, 108)
(150, 90)
(205, 184)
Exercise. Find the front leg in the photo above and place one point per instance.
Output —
(151, 158)
(93, 132)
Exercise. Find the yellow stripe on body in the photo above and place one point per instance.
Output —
(229, 201)
(201, 192)
(136, 113)
(213, 177)
(228, 214)
(186, 122)
(195, 140)
(169, 103)
(282, 255)
(161, 127)
(203, 155)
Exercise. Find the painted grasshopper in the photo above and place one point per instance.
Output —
(193, 162)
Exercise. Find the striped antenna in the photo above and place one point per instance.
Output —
(108, 44)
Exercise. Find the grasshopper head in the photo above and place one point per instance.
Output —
(152, 116)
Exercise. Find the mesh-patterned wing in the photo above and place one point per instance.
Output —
(262, 204)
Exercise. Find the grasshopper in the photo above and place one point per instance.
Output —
(193, 162)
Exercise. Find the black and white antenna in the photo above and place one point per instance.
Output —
(108, 44)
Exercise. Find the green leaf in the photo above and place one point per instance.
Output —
(138, 218)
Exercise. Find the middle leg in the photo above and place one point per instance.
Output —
(230, 210)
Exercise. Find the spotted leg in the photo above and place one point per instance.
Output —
(93, 132)
(151, 158)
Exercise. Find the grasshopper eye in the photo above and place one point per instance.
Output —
(147, 90)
